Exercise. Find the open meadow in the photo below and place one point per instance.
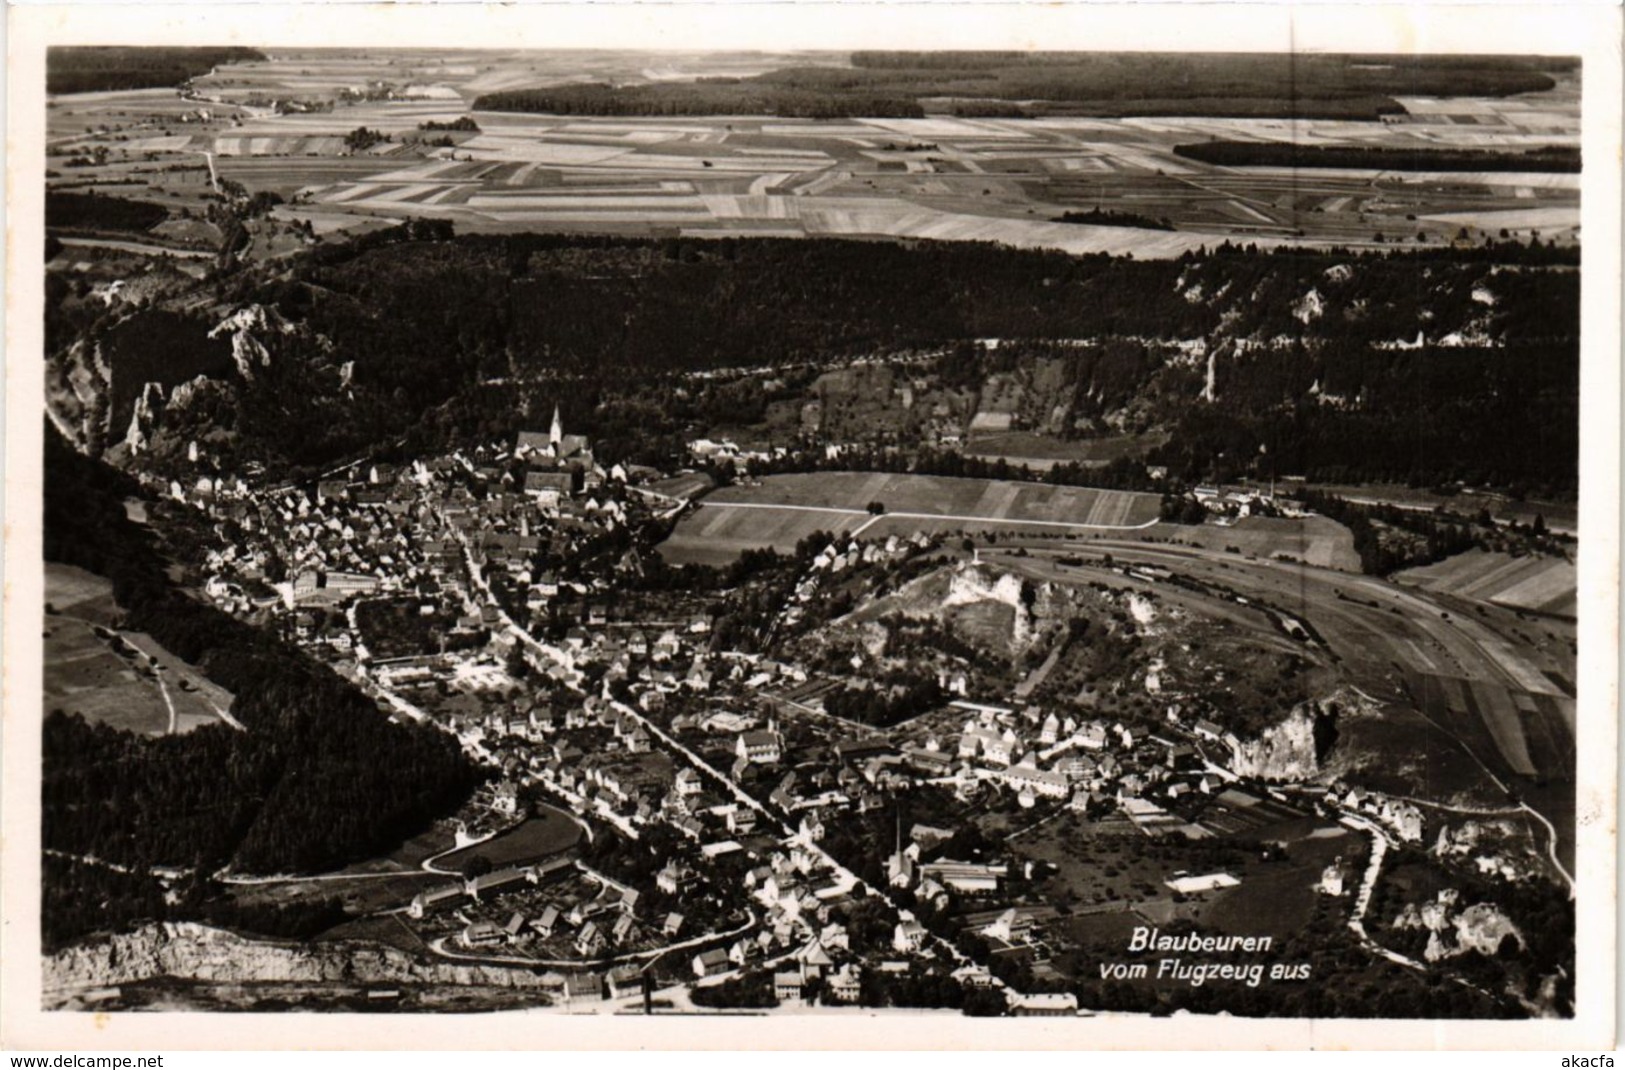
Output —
(123, 679)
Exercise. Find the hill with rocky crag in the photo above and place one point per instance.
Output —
(1421, 366)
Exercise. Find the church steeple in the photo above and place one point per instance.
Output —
(556, 435)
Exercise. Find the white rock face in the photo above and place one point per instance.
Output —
(184, 393)
(188, 950)
(1481, 927)
(1285, 751)
(144, 417)
(247, 326)
(975, 584)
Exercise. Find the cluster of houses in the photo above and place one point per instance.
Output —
(450, 535)
(414, 528)
(1044, 755)
(834, 559)
(318, 546)
(590, 928)
(1404, 820)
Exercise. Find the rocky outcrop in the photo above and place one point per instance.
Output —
(972, 584)
(1481, 927)
(197, 952)
(247, 327)
(144, 418)
(1285, 751)
(1310, 307)
(76, 395)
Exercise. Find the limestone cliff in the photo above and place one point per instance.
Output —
(197, 952)
(1285, 751)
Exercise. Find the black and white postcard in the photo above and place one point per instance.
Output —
(779, 525)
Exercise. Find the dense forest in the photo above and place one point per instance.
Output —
(1548, 158)
(710, 98)
(90, 211)
(320, 778)
(96, 69)
(899, 84)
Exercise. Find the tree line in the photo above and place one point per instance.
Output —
(99, 68)
(1560, 159)
(898, 84)
(710, 99)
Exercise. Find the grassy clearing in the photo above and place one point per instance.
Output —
(1314, 540)
(1278, 898)
(538, 838)
(1043, 452)
(78, 593)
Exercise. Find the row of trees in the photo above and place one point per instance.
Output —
(1555, 158)
(1099, 217)
(92, 211)
(1436, 538)
(882, 707)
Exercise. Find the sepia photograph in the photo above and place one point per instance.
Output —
(895, 532)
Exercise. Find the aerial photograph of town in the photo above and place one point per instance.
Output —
(862, 533)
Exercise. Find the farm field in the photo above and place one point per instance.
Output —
(949, 497)
(144, 689)
(1532, 733)
(1540, 584)
(781, 510)
(938, 177)
(717, 537)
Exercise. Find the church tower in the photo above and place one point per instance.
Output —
(556, 435)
